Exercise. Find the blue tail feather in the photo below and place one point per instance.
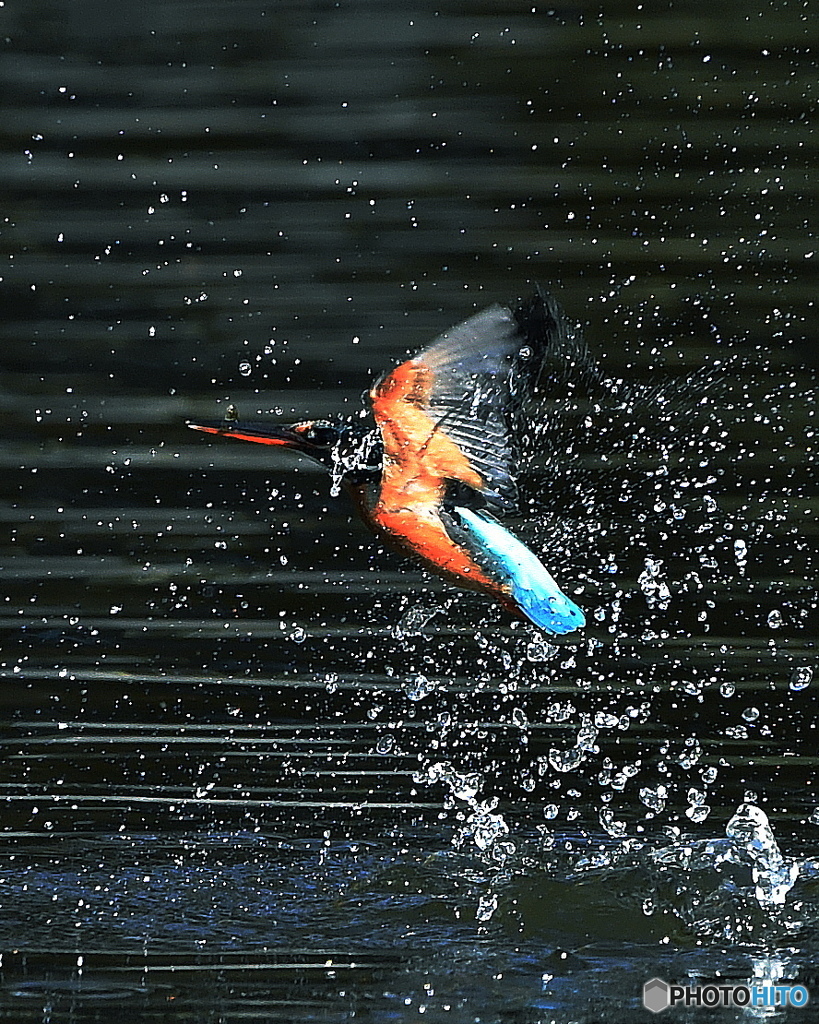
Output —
(531, 584)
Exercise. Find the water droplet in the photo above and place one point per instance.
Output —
(385, 744)
(540, 650)
(775, 619)
(419, 687)
(565, 760)
(801, 678)
(586, 736)
(560, 712)
(688, 757)
(653, 585)
(616, 829)
(465, 787)
(487, 906)
(655, 799)
(750, 714)
(245, 369)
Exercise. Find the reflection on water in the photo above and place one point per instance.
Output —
(255, 766)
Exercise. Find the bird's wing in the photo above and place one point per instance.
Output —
(461, 389)
(419, 454)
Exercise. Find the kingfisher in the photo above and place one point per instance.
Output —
(442, 461)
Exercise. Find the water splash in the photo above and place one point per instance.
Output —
(481, 826)
(349, 454)
(748, 862)
(413, 622)
(754, 843)
(653, 584)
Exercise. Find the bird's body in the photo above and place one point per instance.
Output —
(444, 450)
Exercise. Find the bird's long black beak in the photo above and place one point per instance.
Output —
(259, 433)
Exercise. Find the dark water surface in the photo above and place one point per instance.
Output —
(253, 766)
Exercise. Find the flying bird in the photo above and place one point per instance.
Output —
(443, 459)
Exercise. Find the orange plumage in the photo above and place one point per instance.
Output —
(419, 458)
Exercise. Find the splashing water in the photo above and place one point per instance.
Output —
(654, 585)
(485, 828)
(753, 840)
(349, 455)
(413, 621)
(748, 862)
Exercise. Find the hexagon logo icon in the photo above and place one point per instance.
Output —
(655, 995)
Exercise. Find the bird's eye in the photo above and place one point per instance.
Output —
(319, 432)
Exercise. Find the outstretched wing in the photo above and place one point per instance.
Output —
(452, 414)
(470, 395)
(471, 383)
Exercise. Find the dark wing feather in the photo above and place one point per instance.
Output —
(470, 395)
(480, 376)
(485, 370)
(562, 366)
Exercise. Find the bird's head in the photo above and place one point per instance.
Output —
(310, 437)
(342, 448)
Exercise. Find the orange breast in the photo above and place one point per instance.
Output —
(419, 458)
(424, 535)
(414, 444)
